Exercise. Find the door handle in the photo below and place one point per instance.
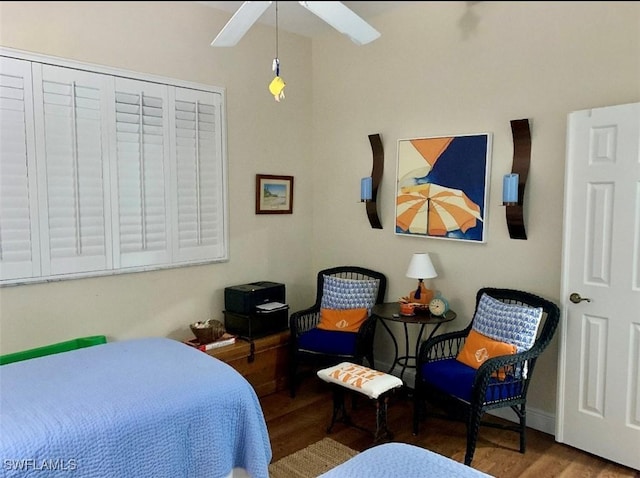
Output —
(576, 298)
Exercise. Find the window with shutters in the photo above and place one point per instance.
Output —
(103, 171)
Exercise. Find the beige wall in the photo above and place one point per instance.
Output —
(443, 68)
(440, 68)
(171, 39)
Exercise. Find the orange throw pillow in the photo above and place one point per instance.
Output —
(478, 348)
(343, 320)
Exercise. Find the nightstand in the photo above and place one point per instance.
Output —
(264, 362)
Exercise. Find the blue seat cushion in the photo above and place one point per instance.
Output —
(328, 342)
(455, 378)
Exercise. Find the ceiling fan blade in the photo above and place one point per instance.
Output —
(240, 22)
(340, 17)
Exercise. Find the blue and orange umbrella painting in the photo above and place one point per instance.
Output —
(441, 187)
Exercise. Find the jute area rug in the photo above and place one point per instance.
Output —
(312, 460)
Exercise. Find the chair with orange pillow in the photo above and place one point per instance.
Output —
(488, 365)
(338, 327)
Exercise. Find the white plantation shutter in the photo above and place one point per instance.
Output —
(19, 239)
(72, 145)
(199, 226)
(142, 145)
(104, 171)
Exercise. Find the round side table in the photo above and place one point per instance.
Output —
(390, 311)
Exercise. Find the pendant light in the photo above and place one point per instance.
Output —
(276, 87)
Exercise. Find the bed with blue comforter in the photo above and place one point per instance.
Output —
(393, 460)
(139, 408)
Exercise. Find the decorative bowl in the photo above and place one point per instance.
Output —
(407, 309)
(208, 331)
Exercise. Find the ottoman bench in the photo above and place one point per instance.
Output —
(374, 384)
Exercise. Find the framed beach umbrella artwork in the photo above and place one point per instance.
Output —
(442, 187)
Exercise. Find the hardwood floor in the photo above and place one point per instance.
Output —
(296, 423)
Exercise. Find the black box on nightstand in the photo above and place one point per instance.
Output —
(256, 309)
(244, 298)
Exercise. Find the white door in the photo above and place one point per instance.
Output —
(599, 384)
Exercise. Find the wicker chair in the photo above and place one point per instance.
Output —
(466, 393)
(321, 348)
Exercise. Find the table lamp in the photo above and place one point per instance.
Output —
(421, 268)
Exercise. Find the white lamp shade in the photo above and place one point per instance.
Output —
(421, 267)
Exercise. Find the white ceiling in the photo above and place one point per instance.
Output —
(294, 18)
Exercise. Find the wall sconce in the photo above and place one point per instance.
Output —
(421, 268)
(369, 185)
(513, 184)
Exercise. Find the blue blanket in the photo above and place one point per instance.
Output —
(393, 460)
(137, 408)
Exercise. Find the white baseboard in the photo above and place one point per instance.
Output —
(536, 419)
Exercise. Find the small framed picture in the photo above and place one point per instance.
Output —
(274, 194)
